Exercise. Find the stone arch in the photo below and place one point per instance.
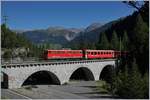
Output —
(41, 77)
(82, 73)
(106, 73)
(4, 80)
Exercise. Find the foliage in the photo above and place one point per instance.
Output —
(12, 41)
(134, 32)
(103, 42)
(7, 54)
(125, 42)
(102, 86)
(140, 43)
(129, 83)
(114, 41)
(142, 9)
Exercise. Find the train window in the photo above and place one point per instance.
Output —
(95, 53)
(91, 53)
(49, 52)
(98, 53)
(60, 52)
(101, 52)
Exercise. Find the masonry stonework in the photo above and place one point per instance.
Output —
(17, 74)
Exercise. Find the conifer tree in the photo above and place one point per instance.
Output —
(135, 82)
(103, 42)
(129, 83)
(141, 43)
(125, 42)
(141, 33)
(114, 41)
(146, 85)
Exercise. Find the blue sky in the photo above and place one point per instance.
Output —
(26, 15)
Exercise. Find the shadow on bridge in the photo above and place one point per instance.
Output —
(107, 73)
(82, 73)
(4, 80)
(42, 78)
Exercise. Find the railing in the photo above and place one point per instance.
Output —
(19, 60)
(9, 65)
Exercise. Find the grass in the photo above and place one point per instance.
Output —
(102, 86)
(65, 83)
(3, 97)
(28, 87)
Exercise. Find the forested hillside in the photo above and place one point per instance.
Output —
(130, 34)
(134, 30)
(16, 45)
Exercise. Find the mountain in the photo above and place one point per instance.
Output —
(54, 35)
(91, 33)
(66, 36)
(17, 31)
(93, 26)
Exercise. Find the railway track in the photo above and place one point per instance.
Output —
(55, 62)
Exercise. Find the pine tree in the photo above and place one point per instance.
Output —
(135, 79)
(125, 42)
(123, 83)
(146, 85)
(114, 41)
(129, 83)
(141, 33)
(103, 42)
(141, 43)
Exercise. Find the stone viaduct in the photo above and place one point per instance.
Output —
(15, 75)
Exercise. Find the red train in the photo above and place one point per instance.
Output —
(87, 54)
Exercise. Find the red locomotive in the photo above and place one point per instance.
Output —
(87, 54)
(60, 54)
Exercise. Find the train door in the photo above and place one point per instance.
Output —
(84, 54)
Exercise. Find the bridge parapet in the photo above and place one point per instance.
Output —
(52, 63)
(18, 73)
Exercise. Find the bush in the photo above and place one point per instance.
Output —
(103, 87)
(130, 83)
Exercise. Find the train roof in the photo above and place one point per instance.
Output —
(100, 50)
(61, 50)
